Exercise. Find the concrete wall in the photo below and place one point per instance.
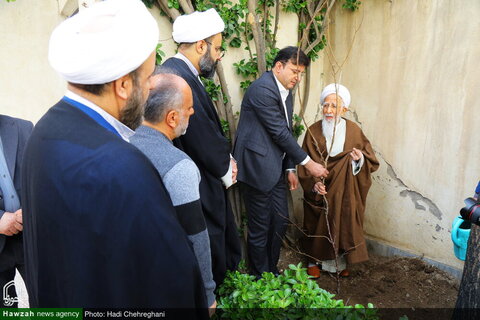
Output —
(28, 86)
(413, 75)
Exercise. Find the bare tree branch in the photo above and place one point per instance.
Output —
(277, 18)
(265, 17)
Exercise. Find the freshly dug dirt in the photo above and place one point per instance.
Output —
(388, 282)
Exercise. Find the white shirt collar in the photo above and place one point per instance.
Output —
(124, 131)
(188, 62)
(283, 92)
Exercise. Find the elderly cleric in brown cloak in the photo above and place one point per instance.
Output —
(351, 162)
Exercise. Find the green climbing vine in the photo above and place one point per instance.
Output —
(351, 4)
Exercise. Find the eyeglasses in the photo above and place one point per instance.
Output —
(217, 49)
(333, 105)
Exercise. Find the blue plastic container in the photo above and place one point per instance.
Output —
(460, 235)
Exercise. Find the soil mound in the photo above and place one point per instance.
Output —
(388, 282)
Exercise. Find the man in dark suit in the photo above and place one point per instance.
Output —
(99, 228)
(14, 134)
(265, 149)
(200, 39)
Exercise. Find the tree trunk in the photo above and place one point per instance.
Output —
(228, 106)
(220, 106)
(258, 37)
(236, 201)
(468, 301)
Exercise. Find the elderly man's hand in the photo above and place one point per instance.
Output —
(11, 223)
(316, 170)
(319, 188)
(356, 154)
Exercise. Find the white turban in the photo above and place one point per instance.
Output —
(339, 90)
(197, 26)
(104, 42)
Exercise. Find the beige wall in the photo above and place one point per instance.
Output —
(413, 74)
(28, 86)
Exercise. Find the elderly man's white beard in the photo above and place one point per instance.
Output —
(327, 127)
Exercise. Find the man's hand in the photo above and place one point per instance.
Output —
(234, 170)
(19, 217)
(292, 180)
(356, 154)
(211, 309)
(316, 169)
(319, 188)
(11, 223)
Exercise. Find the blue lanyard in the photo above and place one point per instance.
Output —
(92, 114)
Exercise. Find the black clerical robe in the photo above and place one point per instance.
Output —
(99, 227)
(205, 143)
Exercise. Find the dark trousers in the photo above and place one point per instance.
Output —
(224, 245)
(267, 224)
(11, 257)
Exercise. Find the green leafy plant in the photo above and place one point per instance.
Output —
(351, 4)
(148, 3)
(291, 295)
(225, 128)
(213, 90)
(248, 69)
(298, 127)
(173, 4)
(159, 54)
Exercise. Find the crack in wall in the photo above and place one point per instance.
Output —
(355, 116)
(420, 201)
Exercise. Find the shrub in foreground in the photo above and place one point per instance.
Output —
(291, 295)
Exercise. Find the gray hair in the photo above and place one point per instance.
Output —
(165, 96)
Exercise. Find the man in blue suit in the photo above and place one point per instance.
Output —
(14, 134)
(265, 150)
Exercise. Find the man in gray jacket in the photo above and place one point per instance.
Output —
(167, 112)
